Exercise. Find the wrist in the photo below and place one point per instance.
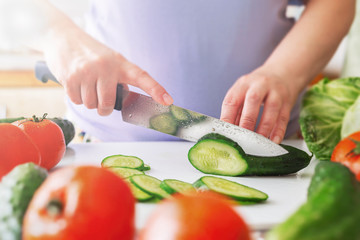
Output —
(295, 81)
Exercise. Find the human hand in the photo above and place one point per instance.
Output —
(242, 103)
(90, 71)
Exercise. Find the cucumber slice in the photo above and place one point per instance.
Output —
(172, 186)
(139, 195)
(195, 117)
(150, 185)
(231, 189)
(165, 123)
(179, 114)
(125, 172)
(217, 156)
(122, 161)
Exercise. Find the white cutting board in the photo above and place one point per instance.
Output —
(169, 160)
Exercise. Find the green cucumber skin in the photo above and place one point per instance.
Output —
(10, 120)
(67, 127)
(106, 160)
(289, 163)
(199, 184)
(166, 188)
(332, 209)
(144, 189)
(145, 168)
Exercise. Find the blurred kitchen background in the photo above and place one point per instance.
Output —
(22, 95)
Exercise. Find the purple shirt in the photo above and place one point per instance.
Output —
(195, 49)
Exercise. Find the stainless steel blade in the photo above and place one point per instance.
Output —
(139, 109)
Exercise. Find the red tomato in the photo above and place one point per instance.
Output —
(48, 137)
(347, 152)
(16, 147)
(200, 216)
(83, 202)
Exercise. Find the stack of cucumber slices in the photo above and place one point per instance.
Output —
(147, 188)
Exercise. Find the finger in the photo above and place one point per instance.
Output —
(141, 79)
(279, 130)
(238, 116)
(106, 92)
(253, 100)
(73, 89)
(270, 114)
(89, 94)
(232, 103)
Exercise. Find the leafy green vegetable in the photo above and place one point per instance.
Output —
(322, 113)
(351, 121)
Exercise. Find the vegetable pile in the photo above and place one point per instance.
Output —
(146, 188)
(38, 140)
(81, 202)
(327, 114)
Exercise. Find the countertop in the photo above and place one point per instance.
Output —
(169, 160)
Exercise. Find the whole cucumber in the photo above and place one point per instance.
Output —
(332, 210)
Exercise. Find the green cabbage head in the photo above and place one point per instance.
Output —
(323, 109)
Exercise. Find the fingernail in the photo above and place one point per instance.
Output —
(167, 99)
(276, 139)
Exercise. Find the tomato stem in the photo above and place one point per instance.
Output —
(54, 207)
(356, 149)
(36, 119)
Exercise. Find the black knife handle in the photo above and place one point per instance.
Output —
(43, 73)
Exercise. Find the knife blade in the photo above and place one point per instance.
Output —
(142, 110)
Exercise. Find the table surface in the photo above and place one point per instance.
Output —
(169, 160)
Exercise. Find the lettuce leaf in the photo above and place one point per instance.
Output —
(351, 121)
(323, 108)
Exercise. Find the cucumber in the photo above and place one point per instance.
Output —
(331, 211)
(150, 185)
(125, 172)
(172, 186)
(195, 117)
(10, 120)
(165, 123)
(216, 154)
(231, 189)
(16, 190)
(180, 114)
(139, 195)
(123, 161)
(67, 127)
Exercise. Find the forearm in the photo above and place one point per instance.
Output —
(49, 24)
(311, 43)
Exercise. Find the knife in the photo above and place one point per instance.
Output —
(142, 110)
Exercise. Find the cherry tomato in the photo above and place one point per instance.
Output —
(200, 216)
(16, 147)
(347, 152)
(48, 137)
(82, 202)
